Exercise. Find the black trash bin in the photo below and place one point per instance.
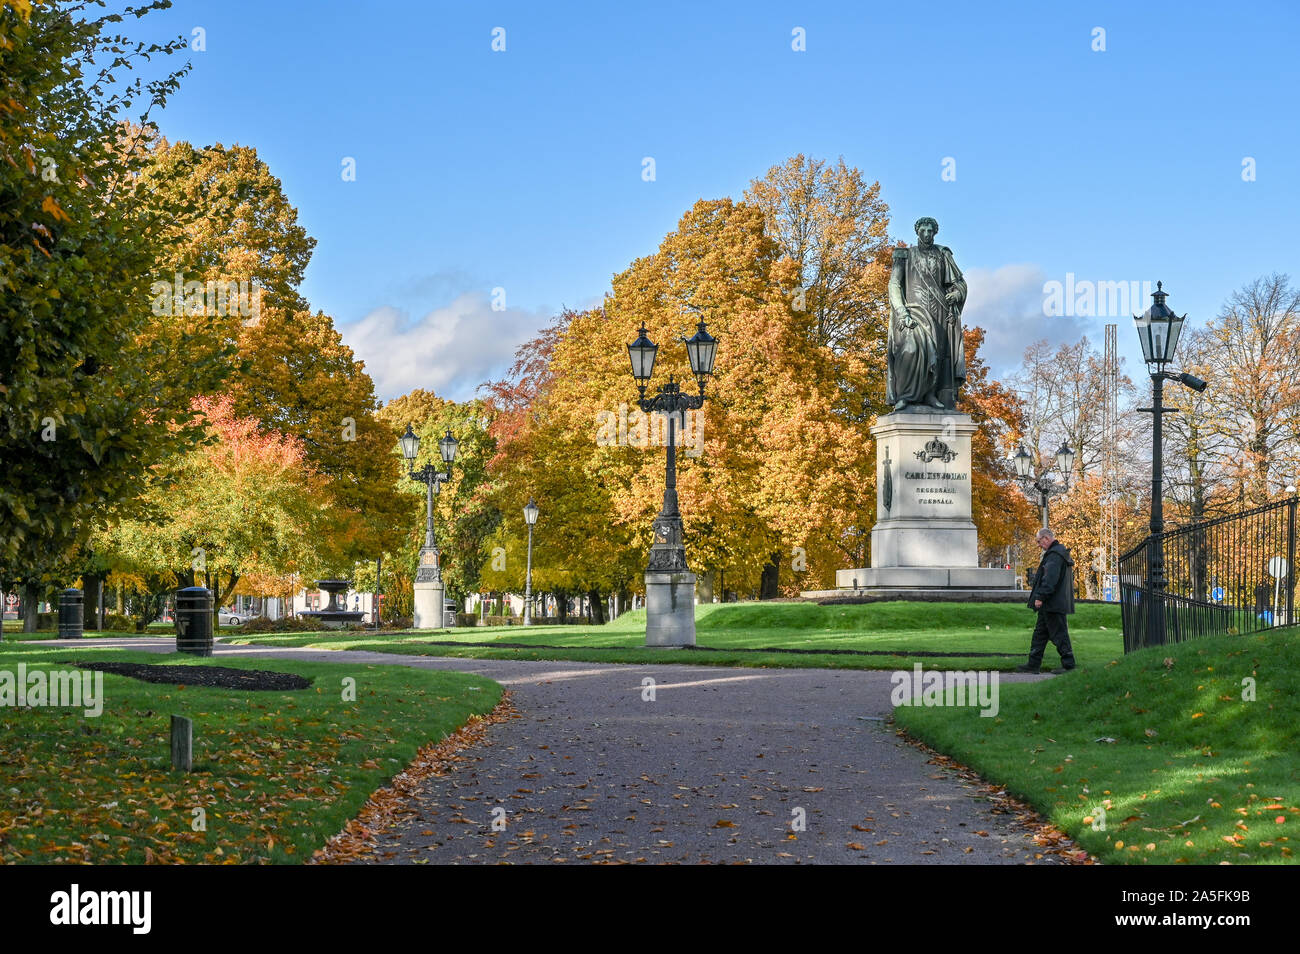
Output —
(194, 621)
(71, 607)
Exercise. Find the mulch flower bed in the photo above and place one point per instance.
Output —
(215, 677)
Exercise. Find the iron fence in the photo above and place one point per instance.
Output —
(1230, 575)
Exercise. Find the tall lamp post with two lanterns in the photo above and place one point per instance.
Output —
(669, 583)
(429, 589)
(1043, 484)
(1158, 329)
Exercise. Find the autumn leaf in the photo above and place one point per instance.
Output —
(53, 207)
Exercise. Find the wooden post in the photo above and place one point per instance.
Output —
(182, 743)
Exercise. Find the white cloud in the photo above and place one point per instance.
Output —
(450, 350)
(1007, 302)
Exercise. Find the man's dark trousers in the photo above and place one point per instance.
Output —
(1051, 627)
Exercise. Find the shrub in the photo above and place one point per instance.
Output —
(116, 623)
(285, 624)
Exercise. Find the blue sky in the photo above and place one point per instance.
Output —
(522, 169)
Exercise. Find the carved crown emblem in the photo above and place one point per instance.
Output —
(936, 449)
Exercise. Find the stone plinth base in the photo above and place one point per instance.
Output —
(848, 597)
(926, 578)
(670, 609)
(428, 605)
(923, 584)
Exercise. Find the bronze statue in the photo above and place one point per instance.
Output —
(927, 357)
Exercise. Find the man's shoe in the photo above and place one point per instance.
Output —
(1063, 669)
(1033, 669)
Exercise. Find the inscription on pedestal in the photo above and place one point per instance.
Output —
(924, 491)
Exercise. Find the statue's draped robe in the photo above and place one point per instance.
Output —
(928, 359)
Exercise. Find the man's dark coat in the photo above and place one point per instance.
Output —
(1054, 581)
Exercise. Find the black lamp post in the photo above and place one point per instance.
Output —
(1158, 329)
(1044, 485)
(668, 553)
(670, 613)
(530, 518)
(429, 570)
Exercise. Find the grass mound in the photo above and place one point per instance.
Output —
(1176, 754)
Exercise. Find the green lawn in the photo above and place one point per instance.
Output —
(1196, 773)
(19, 636)
(276, 773)
(730, 633)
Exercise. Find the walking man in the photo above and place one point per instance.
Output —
(1052, 595)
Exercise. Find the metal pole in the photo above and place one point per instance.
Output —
(670, 484)
(1155, 554)
(528, 582)
(1290, 560)
(379, 567)
(428, 523)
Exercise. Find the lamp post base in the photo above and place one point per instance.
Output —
(670, 608)
(429, 604)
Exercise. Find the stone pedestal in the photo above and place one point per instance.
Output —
(924, 538)
(670, 608)
(428, 604)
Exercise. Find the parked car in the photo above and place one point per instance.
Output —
(227, 617)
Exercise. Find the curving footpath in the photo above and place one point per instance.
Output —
(715, 765)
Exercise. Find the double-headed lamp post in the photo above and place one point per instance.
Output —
(530, 518)
(1044, 485)
(670, 585)
(1158, 329)
(429, 588)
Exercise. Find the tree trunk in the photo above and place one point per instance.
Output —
(90, 585)
(769, 588)
(562, 606)
(219, 595)
(597, 607)
(31, 593)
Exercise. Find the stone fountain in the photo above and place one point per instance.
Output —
(334, 616)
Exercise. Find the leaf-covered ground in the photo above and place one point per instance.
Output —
(276, 774)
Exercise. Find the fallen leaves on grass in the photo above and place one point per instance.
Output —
(1049, 837)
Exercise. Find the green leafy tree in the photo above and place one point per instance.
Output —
(91, 397)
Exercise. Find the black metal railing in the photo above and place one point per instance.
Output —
(1226, 576)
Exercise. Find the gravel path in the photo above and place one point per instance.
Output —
(714, 765)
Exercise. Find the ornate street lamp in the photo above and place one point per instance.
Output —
(1158, 329)
(670, 585)
(1044, 485)
(530, 518)
(429, 589)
